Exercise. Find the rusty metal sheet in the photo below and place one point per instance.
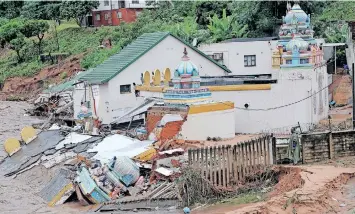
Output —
(45, 140)
(59, 189)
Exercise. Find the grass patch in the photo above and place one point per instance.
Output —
(245, 198)
(67, 24)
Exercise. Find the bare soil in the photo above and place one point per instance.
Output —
(27, 87)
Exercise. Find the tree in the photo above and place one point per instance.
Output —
(45, 10)
(206, 9)
(35, 28)
(10, 9)
(17, 44)
(339, 10)
(77, 9)
(225, 28)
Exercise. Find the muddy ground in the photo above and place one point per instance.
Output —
(328, 187)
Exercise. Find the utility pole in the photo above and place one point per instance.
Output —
(353, 90)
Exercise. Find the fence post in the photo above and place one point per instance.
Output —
(219, 166)
(242, 167)
(331, 145)
(210, 164)
(215, 166)
(273, 139)
(224, 165)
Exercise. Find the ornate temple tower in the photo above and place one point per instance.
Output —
(186, 82)
(296, 47)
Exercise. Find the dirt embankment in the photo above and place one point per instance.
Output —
(325, 189)
(26, 87)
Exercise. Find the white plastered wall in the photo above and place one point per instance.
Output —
(167, 54)
(209, 124)
(293, 85)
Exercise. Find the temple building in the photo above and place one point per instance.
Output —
(296, 47)
(187, 111)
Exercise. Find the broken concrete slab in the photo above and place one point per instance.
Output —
(50, 152)
(72, 138)
(59, 189)
(44, 141)
(52, 160)
(69, 146)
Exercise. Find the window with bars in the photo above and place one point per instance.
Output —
(106, 3)
(125, 89)
(249, 60)
(288, 61)
(135, 1)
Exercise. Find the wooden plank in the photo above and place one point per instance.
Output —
(264, 151)
(239, 162)
(258, 153)
(223, 165)
(267, 149)
(206, 160)
(198, 159)
(215, 166)
(235, 164)
(219, 166)
(242, 169)
(229, 162)
(211, 164)
(189, 157)
(247, 157)
(253, 154)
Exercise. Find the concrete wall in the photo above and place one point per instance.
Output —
(233, 55)
(318, 147)
(203, 125)
(167, 54)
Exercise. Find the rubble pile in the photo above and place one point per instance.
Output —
(59, 104)
(116, 171)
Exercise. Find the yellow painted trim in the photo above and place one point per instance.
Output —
(250, 87)
(60, 194)
(147, 155)
(149, 88)
(210, 107)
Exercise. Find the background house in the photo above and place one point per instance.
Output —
(113, 12)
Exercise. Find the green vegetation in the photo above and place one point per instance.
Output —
(245, 198)
(29, 28)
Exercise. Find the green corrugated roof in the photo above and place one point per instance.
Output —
(128, 55)
(68, 85)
